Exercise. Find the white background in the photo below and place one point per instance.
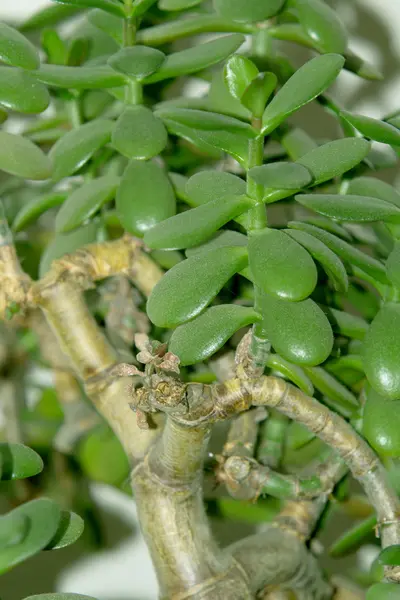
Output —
(125, 572)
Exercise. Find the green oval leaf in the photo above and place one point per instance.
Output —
(18, 461)
(291, 372)
(390, 556)
(248, 10)
(353, 538)
(197, 58)
(185, 291)
(306, 84)
(137, 62)
(322, 25)
(331, 264)
(210, 185)
(70, 529)
(145, 197)
(31, 211)
(192, 227)
(393, 266)
(114, 8)
(375, 188)
(281, 175)
(297, 143)
(80, 78)
(199, 339)
(13, 530)
(20, 91)
(298, 331)
(346, 252)
(44, 516)
(21, 157)
(223, 238)
(172, 5)
(383, 591)
(350, 207)
(76, 147)
(85, 201)
(382, 351)
(64, 243)
(373, 128)
(334, 158)
(139, 134)
(258, 92)
(16, 50)
(280, 266)
(381, 424)
(336, 394)
(239, 72)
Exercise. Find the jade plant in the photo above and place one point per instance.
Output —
(214, 293)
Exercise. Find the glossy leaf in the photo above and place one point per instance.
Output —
(210, 185)
(109, 24)
(381, 423)
(353, 538)
(197, 58)
(21, 157)
(248, 10)
(291, 372)
(334, 158)
(31, 211)
(239, 72)
(331, 264)
(80, 78)
(298, 331)
(306, 84)
(137, 62)
(322, 25)
(16, 50)
(281, 175)
(199, 339)
(258, 92)
(186, 289)
(223, 238)
(345, 251)
(64, 243)
(55, 48)
(343, 401)
(393, 266)
(20, 91)
(70, 529)
(44, 516)
(373, 128)
(375, 188)
(345, 323)
(139, 134)
(18, 461)
(280, 266)
(85, 201)
(297, 143)
(192, 227)
(350, 207)
(110, 6)
(383, 591)
(145, 197)
(382, 351)
(78, 146)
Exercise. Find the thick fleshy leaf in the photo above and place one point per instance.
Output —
(334, 158)
(139, 7)
(63, 243)
(49, 16)
(209, 130)
(145, 197)
(350, 207)
(280, 266)
(172, 5)
(306, 84)
(44, 516)
(248, 10)
(291, 372)
(345, 323)
(197, 58)
(361, 67)
(373, 128)
(137, 62)
(201, 338)
(331, 264)
(239, 72)
(80, 78)
(298, 331)
(13, 529)
(78, 146)
(54, 47)
(20, 91)
(186, 290)
(220, 100)
(393, 266)
(109, 24)
(85, 201)
(354, 538)
(281, 175)
(390, 556)
(382, 352)
(139, 134)
(31, 211)
(383, 591)
(21, 157)
(70, 529)
(322, 25)
(18, 461)
(110, 6)
(375, 188)
(192, 227)
(381, 423)
(223, 238)
(347, 253)
(16, 50)
(210, 185)
(339, 397)
(297, 143)
(258, 92)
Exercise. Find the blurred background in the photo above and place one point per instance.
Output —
(123, 569)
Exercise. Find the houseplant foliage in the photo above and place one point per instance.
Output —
(193, 267)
